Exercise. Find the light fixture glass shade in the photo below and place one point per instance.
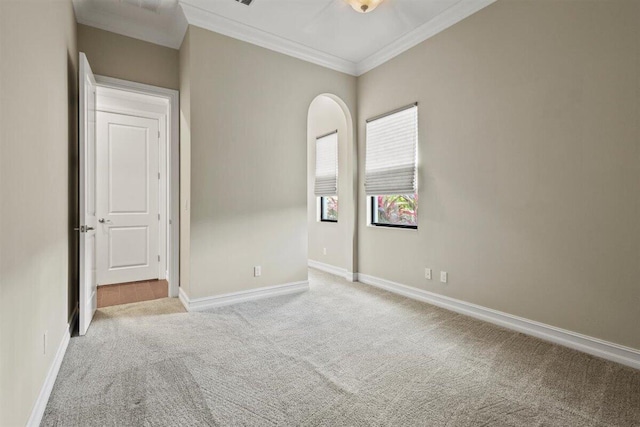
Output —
(364, 6)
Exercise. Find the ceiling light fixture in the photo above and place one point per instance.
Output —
(364, 6)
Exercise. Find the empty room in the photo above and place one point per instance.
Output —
(319, 213)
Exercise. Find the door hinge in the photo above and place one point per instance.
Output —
(158, 217)
(158, 134)
(158, 175)
(158, 257)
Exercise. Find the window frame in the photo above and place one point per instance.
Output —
(372, 209)
(373, 212)
(322, 219)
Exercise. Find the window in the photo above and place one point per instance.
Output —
(395, 211)
(326, 183)
(391, 168)
(329, 209)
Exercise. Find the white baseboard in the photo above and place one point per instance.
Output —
(594, 346)
(201, 304)
(43, 397)
(184, 298)
(331, 269)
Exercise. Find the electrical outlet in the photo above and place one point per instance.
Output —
(257, 271)
(324, 251)
(44, 343)
(427, 273)
(444, 276)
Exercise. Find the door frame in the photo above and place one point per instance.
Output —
(172, 162)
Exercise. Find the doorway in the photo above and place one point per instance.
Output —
(129, 191)
(130, 179)
(332, 210)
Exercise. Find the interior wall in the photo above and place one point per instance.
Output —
(185, 163)
(38, 146)
(248, 207)
(528, 164)
(325, 116)
(126, 58)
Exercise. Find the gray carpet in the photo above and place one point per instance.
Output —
(340, 354)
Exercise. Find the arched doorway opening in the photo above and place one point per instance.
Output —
(333, 244)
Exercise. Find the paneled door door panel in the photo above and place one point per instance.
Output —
(128, 229)
(87, 298)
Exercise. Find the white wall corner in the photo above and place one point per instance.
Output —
(47, 387)
(594, 346)
(207, 303)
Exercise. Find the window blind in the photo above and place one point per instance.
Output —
(327, 165)
(391, 153)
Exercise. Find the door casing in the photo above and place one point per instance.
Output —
(123, 97)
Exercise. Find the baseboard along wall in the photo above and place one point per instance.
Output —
(202, 304)
(596, 347)
(45, 391)
(336, 271)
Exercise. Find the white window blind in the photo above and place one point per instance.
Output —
(391, 153)
(327, 165)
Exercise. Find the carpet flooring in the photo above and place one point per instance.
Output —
(342, 354)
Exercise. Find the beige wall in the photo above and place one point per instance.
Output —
(125, 58)
(325, 116)
(185, 163)
(529, 164)
(248, 202)
(38, 74)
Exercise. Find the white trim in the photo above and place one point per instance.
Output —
(594, 346)
(173, 165)
(45, 391)
(202, 304)
(327, 268)
(450, 17)
(219, 24)
(332, 269)
(194, 15)
(184, 298)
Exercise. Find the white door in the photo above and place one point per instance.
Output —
(87, 167)
(127, 198)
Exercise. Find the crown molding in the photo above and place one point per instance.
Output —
(115, 24)
(193, 15)
(219, 24)
(450, 17)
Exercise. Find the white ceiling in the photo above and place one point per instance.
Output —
(326, 32)
(164, 24)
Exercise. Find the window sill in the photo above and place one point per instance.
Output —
(392, 227)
